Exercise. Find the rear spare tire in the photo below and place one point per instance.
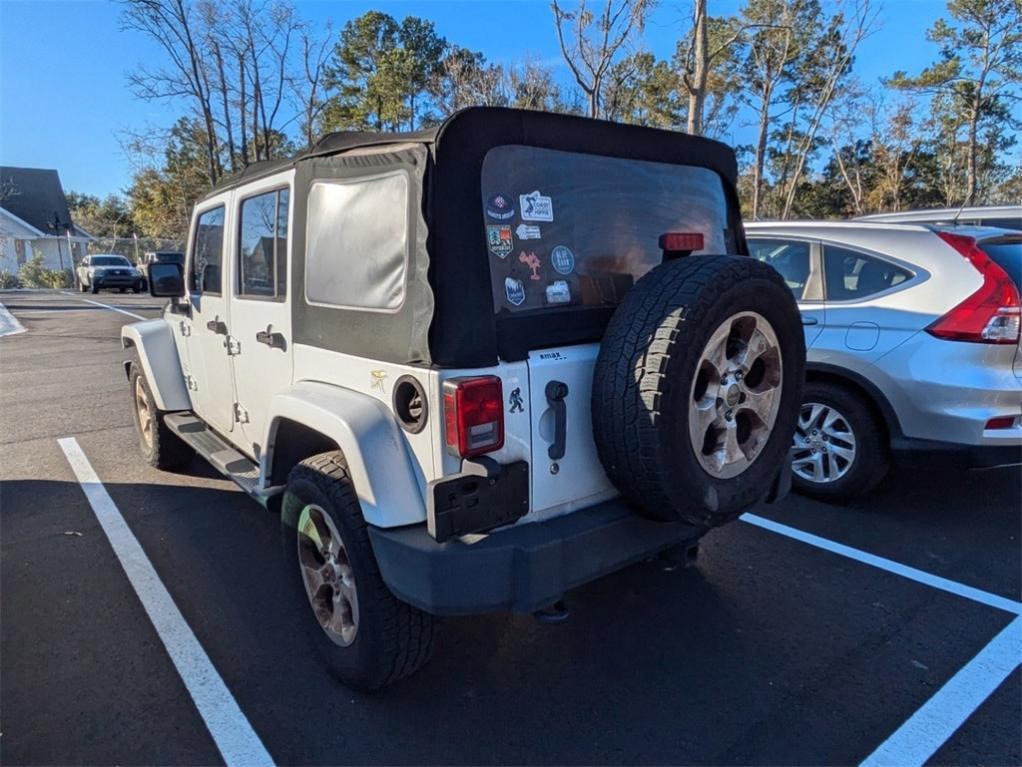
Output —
(697, 388)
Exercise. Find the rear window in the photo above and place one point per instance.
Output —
(1006, 253)
(109, 261)
(565, 229)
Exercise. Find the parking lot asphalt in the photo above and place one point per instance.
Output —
(769, 651)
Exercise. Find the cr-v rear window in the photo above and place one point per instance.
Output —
(1006, 252)
(564, 228)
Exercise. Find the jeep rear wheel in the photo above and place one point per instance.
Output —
(697, 388)
(367, 637)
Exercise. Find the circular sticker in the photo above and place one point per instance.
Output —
(499, 207)
(563, 259)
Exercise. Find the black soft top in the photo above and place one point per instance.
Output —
(463, 330)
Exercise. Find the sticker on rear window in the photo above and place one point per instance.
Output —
(514, 290)
(558, 292)
(527, 232)
(536, 207)
(563, 259)
(499, 207)
(532, 261)
(499, 239)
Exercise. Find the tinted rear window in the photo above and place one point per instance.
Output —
(571, 229)
(1006, 253)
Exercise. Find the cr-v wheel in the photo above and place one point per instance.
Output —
(840, 449)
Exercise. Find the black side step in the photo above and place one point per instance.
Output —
(217, 451)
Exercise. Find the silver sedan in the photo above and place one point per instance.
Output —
(913, 345)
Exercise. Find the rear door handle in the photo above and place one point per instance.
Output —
(810, 320)
(217, 326)
(555, 392)
(271, 339)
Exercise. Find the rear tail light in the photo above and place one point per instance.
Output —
(1001, 422)
(473, 415)
(991, 315)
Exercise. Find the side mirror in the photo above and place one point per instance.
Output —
(165, 280)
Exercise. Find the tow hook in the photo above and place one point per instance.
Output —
(555, 613)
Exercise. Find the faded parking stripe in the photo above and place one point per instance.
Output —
(237, 742)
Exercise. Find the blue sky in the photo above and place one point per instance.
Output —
(64, 99)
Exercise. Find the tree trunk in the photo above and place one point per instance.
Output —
(761, 145)
(970, 160)
(700, 71)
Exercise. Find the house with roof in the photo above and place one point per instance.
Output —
(35, 219)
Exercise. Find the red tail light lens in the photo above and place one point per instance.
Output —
(1001, 422)
(991, 315)
(473, 415)
(681, 241)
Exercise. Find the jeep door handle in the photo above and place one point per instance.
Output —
(555, 392)
(810, 320)
(218, 327)
(271, 339)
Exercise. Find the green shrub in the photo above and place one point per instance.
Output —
(34, 275)
(8, 280)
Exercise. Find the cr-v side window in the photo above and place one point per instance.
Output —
(850, 275)
(262, 244)
(207, 252)
(789, 257)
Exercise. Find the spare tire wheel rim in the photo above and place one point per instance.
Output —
(327, 574)
(735, 395)
(824, 444)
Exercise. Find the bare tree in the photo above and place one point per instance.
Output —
(843, 38)
(171, 24)
(590, 41)
(307, 87)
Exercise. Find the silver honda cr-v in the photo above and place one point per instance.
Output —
(913, 339)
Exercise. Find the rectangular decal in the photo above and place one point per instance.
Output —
(536, 207)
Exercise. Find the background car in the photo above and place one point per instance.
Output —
(912, 336)
(1002, 216)
(107, 271)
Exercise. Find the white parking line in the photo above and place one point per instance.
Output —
(113, 308)
(930, 727)
(9, 324)
(234, 737)
(920, 576)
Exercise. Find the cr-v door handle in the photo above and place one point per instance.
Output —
(217, 326)
(809, 320)
(271, 339)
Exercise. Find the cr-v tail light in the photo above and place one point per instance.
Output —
(991, 315)
(473, 415)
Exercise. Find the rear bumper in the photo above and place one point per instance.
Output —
(523, 568)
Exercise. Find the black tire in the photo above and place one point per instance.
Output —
(121, 290)
(94, 288)
(392, 639)
(164, 450)
(136, 289)
(645, 374)
(871, 458)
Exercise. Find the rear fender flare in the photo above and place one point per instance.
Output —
(153, 341)
(389, 488)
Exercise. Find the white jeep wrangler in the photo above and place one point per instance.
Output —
(473, 367)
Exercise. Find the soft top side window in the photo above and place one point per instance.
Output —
(567, 228)
(207, 252)
(262, 245)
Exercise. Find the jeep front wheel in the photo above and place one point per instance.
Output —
(367, 637)
(159, 445)
(697, 388)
